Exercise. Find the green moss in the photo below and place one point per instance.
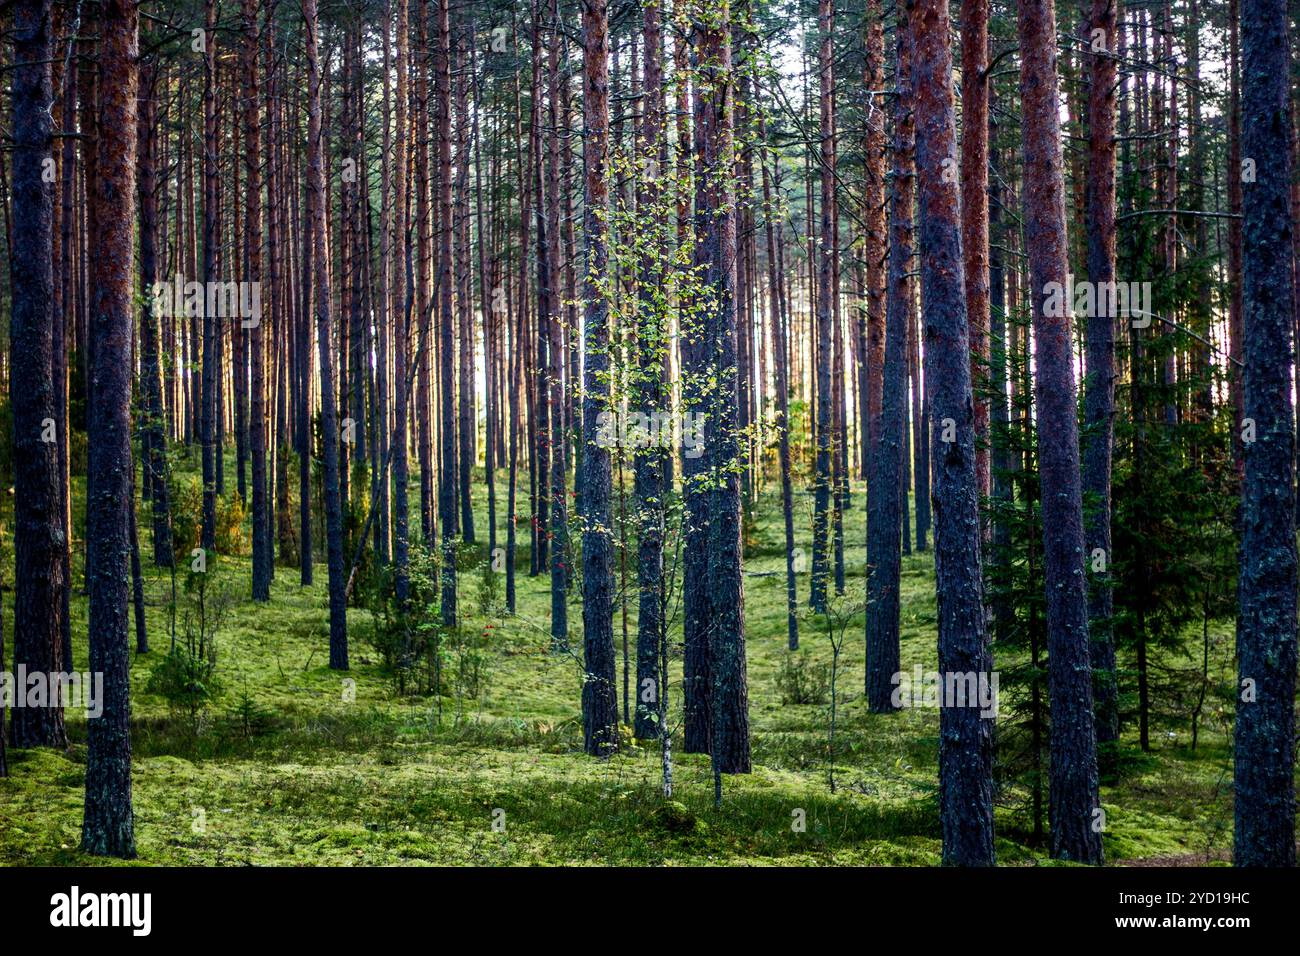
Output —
(502, 780)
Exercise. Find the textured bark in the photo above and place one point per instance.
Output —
(1236, 347)
(211, 410)
(154, 448)
(108, 827)
(316, 196)
(548, 239)
(38, 505)
(781, 373)
(648, 480)
(1074, 797)
(696, 677)
(467, 427)
(965, 735)
(920, 419)
(446, 323)
(1099, 385)
(716, 255)
(39, 541)
(824, 423)
(385, 433)
(1263, 751)
(401, 312)
(426, 401)
(262, 554)
(886, 490)
(875, 240)
(539, 421)
(599, 696)
(975, 210)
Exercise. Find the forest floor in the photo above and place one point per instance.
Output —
(282, 769)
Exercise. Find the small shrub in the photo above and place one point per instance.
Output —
(802, 680)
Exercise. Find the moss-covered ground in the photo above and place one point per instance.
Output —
(281, 769)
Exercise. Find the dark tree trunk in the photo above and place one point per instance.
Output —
(1074, 800)
(38, 525)
(1099, 385)
(651, 342)
(211, 370)
(599, 696)
(548, 245)
(975, 211)
(317, 198)
(1263, 745)
(697, 680)
(155, 451)
(824, 423)
(781, 368)
(965, 732)
(466, 419)
(886, 491)
(716, 255)
(108, 828)
(446, 325)
(262, 555)
(401, 313)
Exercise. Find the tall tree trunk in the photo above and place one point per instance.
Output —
(262, 554)
(317, 198)
(885, 496)
(209, 427)
(779, 321)
(965, 731)
(975, 211)
(651, 343)
(108, 827)
(401, 315)
(447, 432)
(38, 544)
(1074, 799)
(1263, 744)
(599, 696)
(824, 423)
(155, 448)
(716, 257)
(548, 239)
(1099, 386)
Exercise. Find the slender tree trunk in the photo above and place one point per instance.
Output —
(716, 255)
(1099, 386)
(975, 211)
(599, 696)
(447, 473)
(211, 409)
(824, 423)
(262, 554)
(886, 490)
(1074, 798)
(401, 313)
(155, 450)
(779, 320)
(651, 342)
(316, 196)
